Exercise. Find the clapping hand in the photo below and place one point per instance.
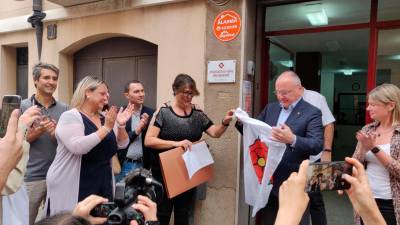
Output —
(367, 140)
(110, 117)
(124, 115)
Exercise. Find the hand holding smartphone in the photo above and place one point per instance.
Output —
(9, 103)
(327, 176)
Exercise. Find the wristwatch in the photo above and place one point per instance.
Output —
(327, 150)
(375, 150)
(152, 222)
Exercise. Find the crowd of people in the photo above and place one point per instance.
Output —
(72, 150)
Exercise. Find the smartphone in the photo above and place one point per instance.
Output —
(103, 210)
(327, 176)
(9, 103)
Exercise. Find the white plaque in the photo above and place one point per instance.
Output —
(222, 71)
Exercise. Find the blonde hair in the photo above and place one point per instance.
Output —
(386, 93)
(87, 83)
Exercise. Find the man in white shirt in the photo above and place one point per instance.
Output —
(317, 208)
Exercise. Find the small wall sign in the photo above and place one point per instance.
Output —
(227, 25)
(222, 71)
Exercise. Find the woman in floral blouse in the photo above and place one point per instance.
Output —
(379, 148)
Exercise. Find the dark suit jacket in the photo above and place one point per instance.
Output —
(132, 136)
(306, 123)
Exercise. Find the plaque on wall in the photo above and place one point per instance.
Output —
(221, 71)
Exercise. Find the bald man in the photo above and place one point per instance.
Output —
(297, 124)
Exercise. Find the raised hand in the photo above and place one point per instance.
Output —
(110, 117)
(124, 115)
(367, 140)
(228, 117)
(29, 116)
(144, 120)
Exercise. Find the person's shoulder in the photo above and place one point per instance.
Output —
(311, 108)
(26, 102)
(370, 126)
(62, 105)
(70, 113)
(148, 109)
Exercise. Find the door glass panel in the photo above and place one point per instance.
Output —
(340, 61)
(317, 14)
(388, 61)
(388, 10)
(280, 61)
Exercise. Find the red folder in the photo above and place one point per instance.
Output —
(176, 177)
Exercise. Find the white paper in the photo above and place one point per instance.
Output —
(197, 158)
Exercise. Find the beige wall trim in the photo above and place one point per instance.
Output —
(108, 6)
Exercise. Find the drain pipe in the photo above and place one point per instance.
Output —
(36, 21)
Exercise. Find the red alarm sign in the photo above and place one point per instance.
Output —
(227, 25)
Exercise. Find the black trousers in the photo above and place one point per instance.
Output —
(182, 204)
(270, 211)
(317, 209)
(387, 210)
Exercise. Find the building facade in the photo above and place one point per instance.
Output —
(343, 56)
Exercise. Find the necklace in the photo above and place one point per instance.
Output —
(91, 115)
(384, 132)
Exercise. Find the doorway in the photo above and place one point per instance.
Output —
(116, 61)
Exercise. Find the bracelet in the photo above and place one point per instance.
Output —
(327, 150)
(226, 125)
(121, 126)
(106, 129)
(23, 128)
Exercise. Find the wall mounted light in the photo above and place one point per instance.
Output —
(316, 14)
(286, 63)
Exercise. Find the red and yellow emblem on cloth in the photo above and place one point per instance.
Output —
(259, 155)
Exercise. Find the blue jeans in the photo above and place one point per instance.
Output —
(126, 168)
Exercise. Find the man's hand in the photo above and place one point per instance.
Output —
(86, 205)
(144, 120)
(282, 134)
(124, 115)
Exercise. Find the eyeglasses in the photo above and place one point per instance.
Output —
(282, 93)
(187, 94)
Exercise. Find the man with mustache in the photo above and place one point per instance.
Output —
(136, 155)
(41, 135)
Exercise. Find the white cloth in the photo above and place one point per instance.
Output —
(319, 101)
(16, 208)
(256, 193)
(378, 175)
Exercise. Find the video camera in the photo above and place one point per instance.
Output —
(137, 182)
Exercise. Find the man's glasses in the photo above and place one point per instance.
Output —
(282, 93)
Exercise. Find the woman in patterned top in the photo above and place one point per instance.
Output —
(178, 124)
(379, 148)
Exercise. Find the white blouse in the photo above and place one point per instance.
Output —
(378, 176)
